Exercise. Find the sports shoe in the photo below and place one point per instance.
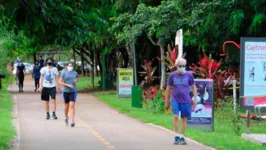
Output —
(54, 116)
(48, 116)
(66, 121)
(72, 124)
(177, 140)
(182, 141)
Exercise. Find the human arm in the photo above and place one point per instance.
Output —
(167, 96)
(41, 83)
(194, 91)
(57, 79)
(42, 72)
(62, 83)
(76, 79)
(168, 91)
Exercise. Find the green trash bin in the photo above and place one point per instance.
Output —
(137, 96)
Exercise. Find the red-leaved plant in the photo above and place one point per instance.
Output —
(206, 67)
(209, 69)
(148, 74)
(170, 58)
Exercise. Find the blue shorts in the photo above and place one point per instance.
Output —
(69, 96)
(184, 108)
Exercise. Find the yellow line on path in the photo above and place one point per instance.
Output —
(97, 135)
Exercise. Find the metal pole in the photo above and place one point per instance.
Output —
(248, 122)
(135, 64)
(234, 94)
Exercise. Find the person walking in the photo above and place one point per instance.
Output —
(179, 83)
(36, 75)
(41, 62)
(68, 80)
(17, 60)
(48, 84)
(20, 75)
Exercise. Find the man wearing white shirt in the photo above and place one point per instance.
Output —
(48, 83)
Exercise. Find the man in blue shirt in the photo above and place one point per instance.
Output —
(20, 75)
(41, 62)
(36, 75)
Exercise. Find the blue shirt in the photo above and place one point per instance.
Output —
(36, 72)
(69, 78)
(20, 69)
(41, 62)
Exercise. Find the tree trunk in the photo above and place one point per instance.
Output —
(34, 58)
(163, 74)
(82, 63)
(94, 63)
(74, 56)
(92, 68)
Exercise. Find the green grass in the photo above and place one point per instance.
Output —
(223, 136)
(7, 130)
(85, 83)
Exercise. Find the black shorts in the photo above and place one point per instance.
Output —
(69, 96)
(47, 92)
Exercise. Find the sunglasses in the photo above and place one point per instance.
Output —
(181, 66)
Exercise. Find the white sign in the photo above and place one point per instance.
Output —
(253, 72)
(124, 82)
(255, 68)
(179, 42)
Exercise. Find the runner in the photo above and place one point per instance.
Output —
(48, 82)
(20, 75)
(68, 79)
(36, 75)
(179, 83)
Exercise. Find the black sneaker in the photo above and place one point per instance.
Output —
(48, 116)
(182, 141)
(177, 140)
(54, 116)
(66, 121)
(72, 124)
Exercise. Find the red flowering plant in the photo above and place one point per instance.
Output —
(210, 69)
(150, 91)
(206, 67)
(170, 58)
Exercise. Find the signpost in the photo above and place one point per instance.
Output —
(125, 81)
(202, 115)
(179, 42)
(253, 74)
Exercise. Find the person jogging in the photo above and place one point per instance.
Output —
(20, 75)
(36, 75)
(179, 82)
(68, 80)
(48, 84)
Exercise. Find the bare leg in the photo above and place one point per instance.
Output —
(176, 123)
(46, 103)
(66, 110)
(53, 105)
(72, 110)
(184, 125)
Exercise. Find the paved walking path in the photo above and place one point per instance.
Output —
(98, 127)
